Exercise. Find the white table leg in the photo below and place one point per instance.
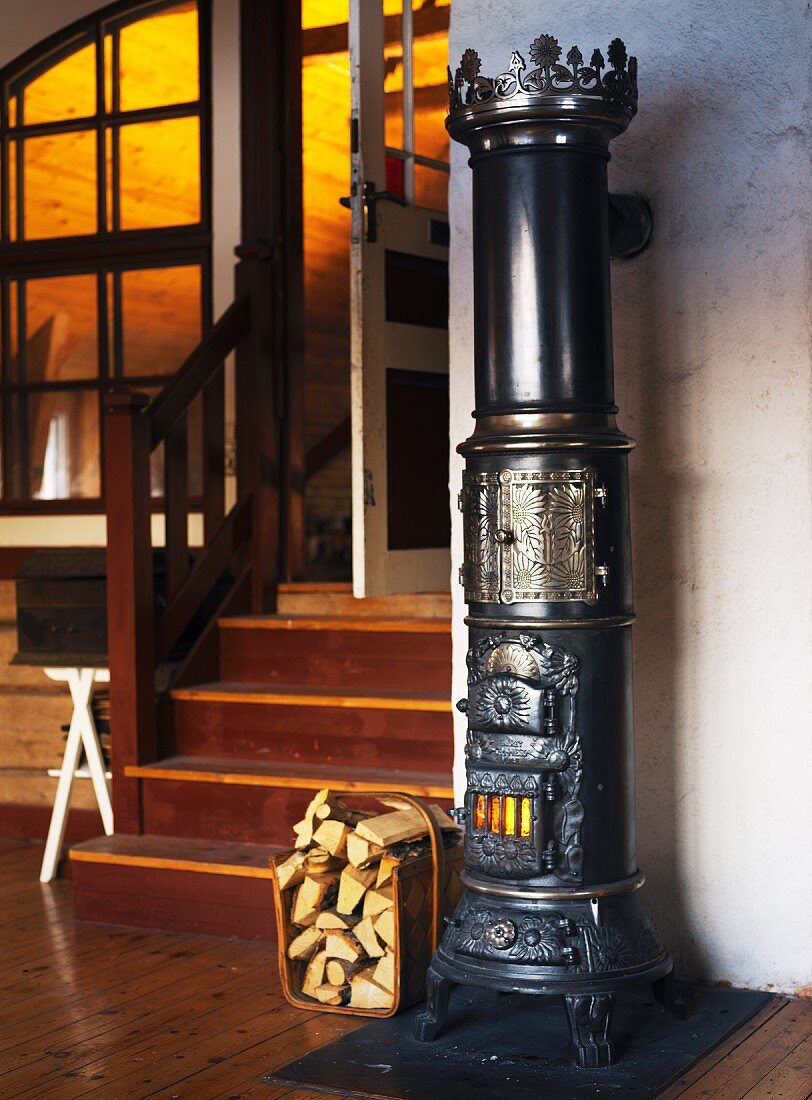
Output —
(81, 690)
(59, 815)
(82, 732)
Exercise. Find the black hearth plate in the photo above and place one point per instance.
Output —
(515, 1046)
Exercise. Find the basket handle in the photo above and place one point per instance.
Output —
(437, 850)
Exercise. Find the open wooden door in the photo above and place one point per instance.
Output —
(399, 298)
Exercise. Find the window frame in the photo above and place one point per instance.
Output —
(106, 250)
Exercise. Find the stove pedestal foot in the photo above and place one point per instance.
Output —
(590, 1017)
(665, 994)
(430, 1022)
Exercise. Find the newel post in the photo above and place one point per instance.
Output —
(130, 599)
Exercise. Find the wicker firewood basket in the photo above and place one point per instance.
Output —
(426, 889)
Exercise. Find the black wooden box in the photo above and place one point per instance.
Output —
(62, 607)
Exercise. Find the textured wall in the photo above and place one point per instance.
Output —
(712, 364)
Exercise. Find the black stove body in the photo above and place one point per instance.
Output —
(552, 902)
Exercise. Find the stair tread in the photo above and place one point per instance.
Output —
(297, 774)
(391, 624)
(178, 853)
(312, 695)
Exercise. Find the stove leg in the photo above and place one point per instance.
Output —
(665, 994)
(590, 1017)
(429, 1023)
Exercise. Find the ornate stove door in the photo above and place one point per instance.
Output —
(399, 300)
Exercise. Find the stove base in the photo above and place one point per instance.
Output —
(589, 1014)
(581, 949)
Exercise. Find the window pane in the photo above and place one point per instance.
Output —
(61, 329)
(55, 445)
(66, 90)
(161, 318)
(159, 59)
(393, 77)
(430, 61)
(60, 185)
(160, 173)
(430, 187)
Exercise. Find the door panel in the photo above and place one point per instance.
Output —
(399, 356)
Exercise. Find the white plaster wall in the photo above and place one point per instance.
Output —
(23, 26)
(712, 364)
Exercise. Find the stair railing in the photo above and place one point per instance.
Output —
(142, 631)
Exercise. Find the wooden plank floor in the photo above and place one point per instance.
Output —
(114, 1013)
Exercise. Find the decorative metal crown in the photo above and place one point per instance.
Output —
(618, 85)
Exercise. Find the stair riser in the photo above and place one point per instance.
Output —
(420, 606)
(208, 904)
(376, 660)
(254, 815)
(335, 735)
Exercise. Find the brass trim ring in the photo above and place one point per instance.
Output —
(577, 893)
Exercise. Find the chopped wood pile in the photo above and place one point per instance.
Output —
(342, 911)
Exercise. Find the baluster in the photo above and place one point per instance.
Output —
(213, 456)
(176, 506)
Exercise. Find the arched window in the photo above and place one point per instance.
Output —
(105, 235)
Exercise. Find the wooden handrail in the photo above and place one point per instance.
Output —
(198, 369)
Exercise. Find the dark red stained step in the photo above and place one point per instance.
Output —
(254, 815)
(341, 735)
(184, 901)
(381, 660)
(371, 737)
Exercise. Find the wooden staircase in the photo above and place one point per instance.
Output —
(330, 691)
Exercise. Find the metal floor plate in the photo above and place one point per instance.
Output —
(518, 1047)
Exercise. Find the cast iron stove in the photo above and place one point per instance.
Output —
(552, 899)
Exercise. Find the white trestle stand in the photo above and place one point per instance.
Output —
(82, 734)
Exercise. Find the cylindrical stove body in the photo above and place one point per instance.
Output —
(551, 902)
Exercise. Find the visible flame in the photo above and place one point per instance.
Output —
(510, 815)
(495, 814)
(526, 817)
(480, 812)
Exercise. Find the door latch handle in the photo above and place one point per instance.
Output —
(370, 197)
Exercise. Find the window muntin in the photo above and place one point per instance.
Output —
(106, 137)
(416, 91)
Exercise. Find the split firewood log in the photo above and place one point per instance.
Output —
(291, 871)
(343, 945)
(339, 971)
(385, 869)
(335, 808)
(318, 860)
(362, 852)
(384, 973)
(332, 836)
(330, 919)
(366, 993)
(401, 825)
(352, 887)
(314, 974)
(364, 932)
(385, 927)
(306, 943)
(376, 901)
(333, 994)
(316, 892)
